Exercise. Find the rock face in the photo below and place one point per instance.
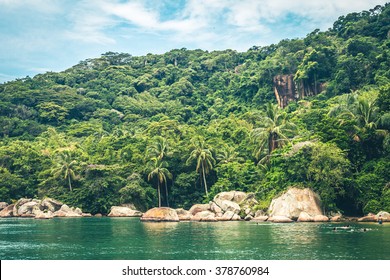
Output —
(160, 214)
(295, 201)
(120, 211)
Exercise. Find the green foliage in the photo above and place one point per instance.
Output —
(209, 122)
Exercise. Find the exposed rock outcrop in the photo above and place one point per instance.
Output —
(160, 214)
(121, 211)
(41, 209)
(295, 201)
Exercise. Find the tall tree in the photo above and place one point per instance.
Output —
(204, 159)
(159, 173)
(274, 131)
(65, 166)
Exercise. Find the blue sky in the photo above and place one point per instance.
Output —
(52, 35)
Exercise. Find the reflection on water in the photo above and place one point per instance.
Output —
(128, 238)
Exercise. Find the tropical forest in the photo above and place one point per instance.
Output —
(177, 128)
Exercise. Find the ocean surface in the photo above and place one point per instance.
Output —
(129, 239)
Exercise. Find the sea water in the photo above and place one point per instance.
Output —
(129, 239)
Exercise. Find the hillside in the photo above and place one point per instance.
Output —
(191, 123)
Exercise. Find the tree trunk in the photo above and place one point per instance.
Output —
(70, 185)
(204, 180)
(166, 193)
(159, 194)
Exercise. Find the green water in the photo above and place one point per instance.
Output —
(129, 239)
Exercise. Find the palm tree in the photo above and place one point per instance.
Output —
(159, 148)
(362, 110)
(204, 159)
(228, 154)
(273, 132)
(65, 167)
(159, 173)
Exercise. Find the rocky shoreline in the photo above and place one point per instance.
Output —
(295, 205)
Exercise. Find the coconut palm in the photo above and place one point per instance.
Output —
(204, 159)
(65, 166)
(362, 110)
(159, 174)
(159, 148)
(273, 132)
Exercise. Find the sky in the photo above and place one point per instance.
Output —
(52, 35)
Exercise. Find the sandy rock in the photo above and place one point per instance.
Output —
(384, 215)
(368, 218)
(204, 216)
(98, 215)
(295, 201)
(120, 211)
(321, 218)
(280, 219)
(3, 205)
(160, 214)
(304, 217)
(87, 215)
(336, 218)
(183, 214)
(199, 208)
(260, 218)
(7, 212)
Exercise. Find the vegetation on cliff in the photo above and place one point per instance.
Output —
(193, 123)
